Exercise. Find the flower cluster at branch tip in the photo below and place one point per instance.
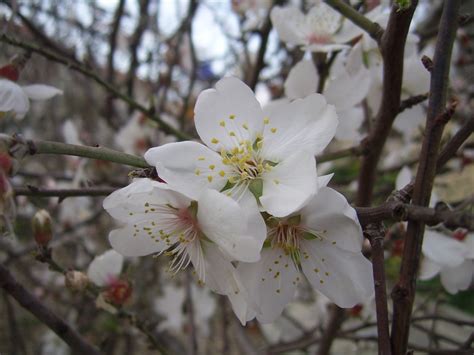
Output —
(247, 209)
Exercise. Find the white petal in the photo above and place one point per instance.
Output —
(289, 185)
(323, 19)
(305, 124)
(409, 121)
(223, 221)
(13, 98)
(469, 243)
(445, 251)
(416, 79)
(288, 22)
(228, 114)
(187, 167)
(41, 92)
(134, 240)
(346, 90)
(302, 80)
(326, 48)
(132, 203)
(428, 269)
(329, 202)
(105, 268)
(458, 278)
(323, 180)
(344, 277)
(271, 283)
(350, 121)
(403, 178)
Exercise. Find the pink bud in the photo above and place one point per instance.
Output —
(42, 229)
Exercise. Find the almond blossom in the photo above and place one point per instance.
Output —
(320, 30)
(323, 242)
(343, 89)
(248, 154)
(208, 232)
(452, 258)
(15, 99)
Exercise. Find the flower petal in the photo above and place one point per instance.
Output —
(447, 252)
(329, 210)
(224, 222)
(457, 278)
(344, 277)
(346, 90)
(302, 80)
(350, 121)
(289, 185)
(189, 166)
(305, 124)
(41, 92)
(428, 269)
(142, 238)
(288, 22)
(228, 114)
(271, 283)
(13, 98)
(132, 203)
(105, 268)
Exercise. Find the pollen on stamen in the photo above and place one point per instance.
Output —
(266, 120)
(214, 141)
(222, 123)
(212, 166)
(273, 130)
(222, 173)
(201, 158)
(276, 181)
(197, 172)
(232, 133)
(245, 126)
(231, 117)
(209, 178)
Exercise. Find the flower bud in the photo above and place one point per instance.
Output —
(42, 229)
(118, 292)
(76, 280)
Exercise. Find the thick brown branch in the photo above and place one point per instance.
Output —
(62, 193)
(392, 46)
(46, 316)
(404, 292)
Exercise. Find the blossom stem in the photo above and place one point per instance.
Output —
(372, 28)
(32, 147)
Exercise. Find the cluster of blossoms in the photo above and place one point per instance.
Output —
(247, 209)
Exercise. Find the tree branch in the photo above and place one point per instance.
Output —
(165, 127)
(31, 147)
(403, 293)
(46, 316)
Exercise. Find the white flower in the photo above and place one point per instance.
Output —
(343, 89)
(317, 31)
(451, 258)
(208, 232)
(105, 268)
(323, 241)
(15, 99)
(271, 156)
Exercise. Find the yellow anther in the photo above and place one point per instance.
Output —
(266, 120)
(212, 166)
(231, 117)
(235, 150)
(244, 175)
(197, 172)
(273, 130)
(201, 158)
(214, 141)
(209, 178)
(225, 161)
(222, 123)
(245, 126)
(276, 181)
(259, 144)
(232, 179)
(232, 133)
(222, 173)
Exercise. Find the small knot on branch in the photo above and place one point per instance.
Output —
(446, 115)
(427, 63)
